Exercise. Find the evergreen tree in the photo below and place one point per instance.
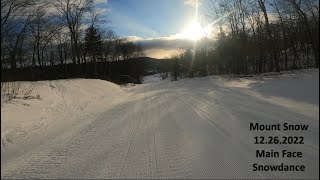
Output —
(93, 45)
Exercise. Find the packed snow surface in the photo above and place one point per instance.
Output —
(191, 128)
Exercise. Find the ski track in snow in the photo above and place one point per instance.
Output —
(184, 129)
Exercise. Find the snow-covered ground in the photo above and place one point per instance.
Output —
(162, 77)
(191, 128)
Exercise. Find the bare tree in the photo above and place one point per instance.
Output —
(73, 12)
(297, 6)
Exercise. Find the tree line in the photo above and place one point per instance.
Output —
(47, 34)
(69, 38)
(255, 37)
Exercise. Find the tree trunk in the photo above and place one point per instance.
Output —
(270, 39)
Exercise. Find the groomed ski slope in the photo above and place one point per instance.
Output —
(191, 128)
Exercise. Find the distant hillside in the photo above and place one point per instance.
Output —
(150, 59)
(153, 65)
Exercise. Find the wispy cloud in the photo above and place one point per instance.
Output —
(192, 3)
(161, 53)
(166, 43)
(162, 47)
(133, 38)
(100, 1)
(103, 10)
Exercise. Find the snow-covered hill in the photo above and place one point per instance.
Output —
(191, 128)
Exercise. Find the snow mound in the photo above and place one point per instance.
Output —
(59, 100)
(291, 85)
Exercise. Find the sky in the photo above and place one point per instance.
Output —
(157, 24)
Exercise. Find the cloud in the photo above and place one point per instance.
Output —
(100, 1)
(192, 3)
(162, 47)
(166, 43)
(133, 38)
(161, 53)
(103, 10)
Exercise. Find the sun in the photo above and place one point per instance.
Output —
(194, 31)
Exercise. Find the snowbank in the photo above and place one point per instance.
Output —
(60, 100)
